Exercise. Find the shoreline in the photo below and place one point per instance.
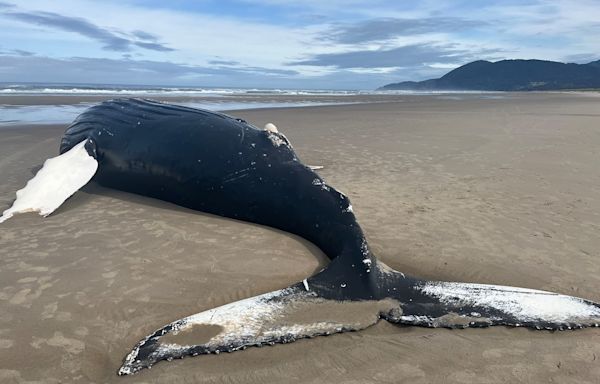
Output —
(76, 99)
(69, 99)
(59, 109)
(498, 191)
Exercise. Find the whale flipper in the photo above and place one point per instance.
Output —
(55, 182)
(461, 305)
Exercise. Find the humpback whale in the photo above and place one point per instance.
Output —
(225, 166)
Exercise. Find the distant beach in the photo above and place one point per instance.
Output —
(499, 188)
(61, 103)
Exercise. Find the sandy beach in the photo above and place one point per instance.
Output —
(499, 190)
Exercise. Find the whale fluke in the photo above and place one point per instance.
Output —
(316, 307)
(461, 305)
(281, 316)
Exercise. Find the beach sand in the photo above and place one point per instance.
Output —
(490, 190)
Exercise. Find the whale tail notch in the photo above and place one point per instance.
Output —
(56, 181)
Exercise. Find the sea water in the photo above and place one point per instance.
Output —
(216, 99)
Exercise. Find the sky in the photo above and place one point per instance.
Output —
(311, 44)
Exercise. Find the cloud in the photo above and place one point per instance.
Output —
(71, 24)
(145, 36)
(581, 58)
(357, 43)
(126, 71)
(16, 52)
(111, 40)
(22, 52)
(261, 70)
(406, 56)
(224, 62)
(388, 28)
(153, 46)
(325, 7)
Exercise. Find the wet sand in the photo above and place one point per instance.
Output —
(503, 191)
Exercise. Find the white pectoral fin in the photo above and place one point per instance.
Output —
(55, 182)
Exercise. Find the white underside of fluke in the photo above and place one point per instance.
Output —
(59, 178)
(276, 317)
(522, 303)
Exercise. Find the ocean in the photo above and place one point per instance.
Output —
(61, 103)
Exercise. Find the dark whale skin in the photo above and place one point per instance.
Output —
(221, 165)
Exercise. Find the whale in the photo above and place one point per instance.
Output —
(222, 165)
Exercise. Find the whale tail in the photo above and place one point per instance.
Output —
(305, 310)
(281, 316)
(56, 181)
(461, 305)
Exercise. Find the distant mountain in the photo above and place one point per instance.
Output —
(510, 75)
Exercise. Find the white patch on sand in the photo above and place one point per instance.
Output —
(524, 304)
(59, 178)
